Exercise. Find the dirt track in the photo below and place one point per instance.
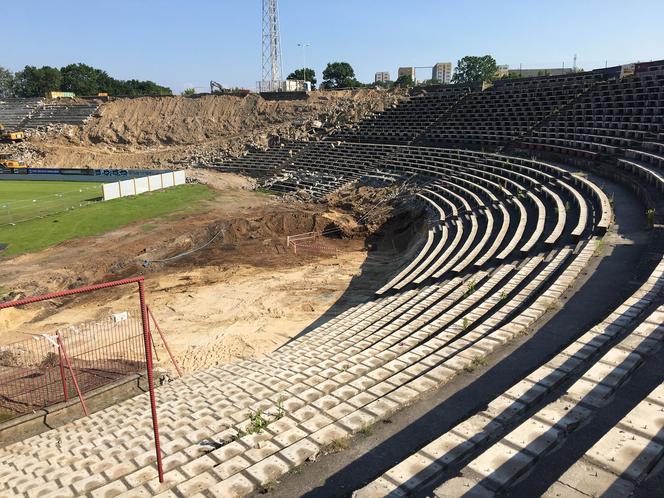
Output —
(242, 296)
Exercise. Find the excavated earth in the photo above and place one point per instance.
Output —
(156, 132)
(241, 295)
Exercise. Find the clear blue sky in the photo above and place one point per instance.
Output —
(182, 43)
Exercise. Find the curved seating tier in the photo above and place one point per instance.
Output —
(617, 114)
(506, 111)
(358, 368)
(524, 423)
(401, 124)
(503, 239)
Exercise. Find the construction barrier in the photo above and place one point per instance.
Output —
(70, 361)
(137, 186)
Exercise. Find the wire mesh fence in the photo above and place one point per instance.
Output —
(34, 373)
(47, 204)
(41, 371)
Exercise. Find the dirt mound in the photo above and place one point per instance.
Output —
(170, 131)
(372, 202)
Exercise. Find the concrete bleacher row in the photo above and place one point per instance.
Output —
(60, 113)
(507, 111)
(403, 123)
(14, 111)
(358, 367)
(501, 443)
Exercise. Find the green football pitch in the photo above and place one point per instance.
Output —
(37, 214)
(21, 200)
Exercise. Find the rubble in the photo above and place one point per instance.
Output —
(152, 132)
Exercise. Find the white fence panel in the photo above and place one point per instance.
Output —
(137, 186)
(111, 191)
(179, 178)
(154, 182)
(127, 188)
(141, 185)
(167, 180)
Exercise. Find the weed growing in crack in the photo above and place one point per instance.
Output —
(366, 430)
(470, 288)
(650, 217)
(257, 423)
(476, 362)
(599, 247)
(335, 446)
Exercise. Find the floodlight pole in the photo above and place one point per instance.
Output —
(304, 63)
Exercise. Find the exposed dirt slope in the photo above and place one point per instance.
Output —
(240, 296)
(167, 131)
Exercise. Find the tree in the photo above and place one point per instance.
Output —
(473, 69)
(36, 82)
(306, 74)
(404, 80)
(339, 75)
(6, 82)
(84, 80)
(189, 91)
(80, 79)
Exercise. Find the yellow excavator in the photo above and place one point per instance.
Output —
(6, 162)
(10, 136)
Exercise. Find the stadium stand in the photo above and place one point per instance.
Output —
(503, 238)
(15, 111)
(403, 123)
(617, 114)
(507, 110)
(60, 113)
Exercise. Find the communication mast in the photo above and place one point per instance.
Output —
(271, 54)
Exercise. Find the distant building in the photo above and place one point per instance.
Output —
(502, 71)
(382, 77)
(407, 71)
(442, 72)
(531, 73)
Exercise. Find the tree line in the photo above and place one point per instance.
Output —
(469, 70)
(80, 79)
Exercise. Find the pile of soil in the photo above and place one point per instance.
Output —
(173, 131)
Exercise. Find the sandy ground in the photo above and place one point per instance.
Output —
(242, 297)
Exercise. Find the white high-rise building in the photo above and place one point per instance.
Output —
(442, 72)
(382, 77)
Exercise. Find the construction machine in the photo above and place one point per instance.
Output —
(10, 136)
(6, 162)
(217, 88)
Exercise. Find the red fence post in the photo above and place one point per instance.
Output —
(73, 375)
(163, 339)
(148, 360)
(62, 372)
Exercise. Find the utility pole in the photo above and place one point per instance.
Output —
(574, 66)
(304, 63)
(271, 53)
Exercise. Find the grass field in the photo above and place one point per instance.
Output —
(94, 218)
(25, 199)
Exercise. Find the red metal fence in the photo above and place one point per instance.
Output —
(309, 242)
(54, 367)
(34, 373)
